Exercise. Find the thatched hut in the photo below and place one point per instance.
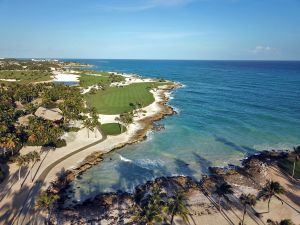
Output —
(54, 114)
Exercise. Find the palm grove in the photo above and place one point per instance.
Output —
(20, 126)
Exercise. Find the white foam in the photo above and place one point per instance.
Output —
(125, 159)
(149, 164)
(278, 146)
(177, 110)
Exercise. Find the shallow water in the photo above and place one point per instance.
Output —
(227, 109)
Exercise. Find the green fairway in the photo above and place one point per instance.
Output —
(287, 166)
(25, 76)
(116, 100)
(86, 79)
(112, 128)
(89, 80)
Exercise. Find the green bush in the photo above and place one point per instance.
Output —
(74, 129)
(60, 143)
(49, 104)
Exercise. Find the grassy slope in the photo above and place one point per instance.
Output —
(26, 76)
(112, 128)
(117, 100)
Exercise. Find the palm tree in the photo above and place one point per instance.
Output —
(95, 122)
(33, 157)
(149, 214)
(296, 159)
(223, 189)
(271, 189)
(11, 143)
(21, 161)
(286, 222)
(247, 200)
(177, 207)
(32, 138)
(152, 212)
(126, 119)
(87, 123)
(45, 201)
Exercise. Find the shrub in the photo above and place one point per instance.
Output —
(73, 129)
(60, 143)
(49, 104)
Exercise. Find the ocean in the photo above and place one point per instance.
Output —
(226, 111)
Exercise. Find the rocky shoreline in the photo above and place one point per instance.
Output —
(252, 174)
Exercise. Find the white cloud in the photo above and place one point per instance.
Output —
(261, 49)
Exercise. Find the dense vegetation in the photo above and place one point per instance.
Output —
(16, 64)
(17, 101)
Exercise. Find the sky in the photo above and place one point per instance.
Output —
(151, 29)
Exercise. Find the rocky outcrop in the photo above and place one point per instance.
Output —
(111, 208)
(65, 177)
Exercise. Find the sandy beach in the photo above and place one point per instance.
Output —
(65, 77)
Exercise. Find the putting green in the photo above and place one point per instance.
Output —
(112, 128)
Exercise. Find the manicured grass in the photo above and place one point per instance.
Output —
(87, 80)
(287, 166)
(25, 76)
(112, 128)
(116, 100)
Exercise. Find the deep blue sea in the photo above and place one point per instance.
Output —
(226, 110)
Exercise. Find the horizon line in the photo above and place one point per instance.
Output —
(69, 58)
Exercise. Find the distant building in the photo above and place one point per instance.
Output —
(49, 114)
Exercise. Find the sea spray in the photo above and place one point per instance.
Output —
(144, 163)
(125, 159)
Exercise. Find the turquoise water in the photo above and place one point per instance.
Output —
(226, 110)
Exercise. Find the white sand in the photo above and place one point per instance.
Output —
(130, 79)
(65, 77)
(87, 90)
(10, 80)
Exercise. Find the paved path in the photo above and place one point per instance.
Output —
(23, 212)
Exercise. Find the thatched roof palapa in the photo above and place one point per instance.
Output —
(54, 114)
